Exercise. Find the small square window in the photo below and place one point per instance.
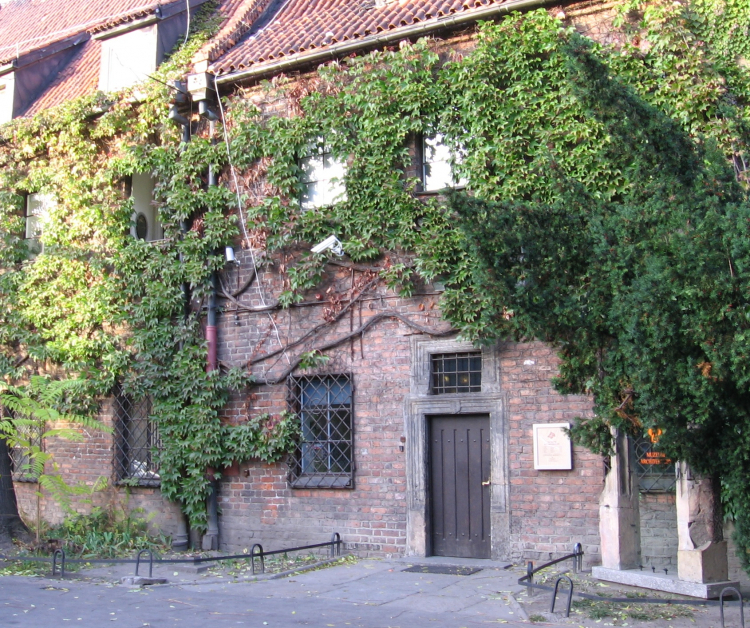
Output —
(322, 177)
(324, 456)
(438, 165)
(456, 373)
(137, 442)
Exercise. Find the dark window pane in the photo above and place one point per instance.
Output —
(324, 457)
(137, 442)
(456, 373)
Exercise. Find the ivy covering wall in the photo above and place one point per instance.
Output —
(104, 306)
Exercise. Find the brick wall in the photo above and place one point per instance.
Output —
(658, 530)
(84, 463)
(550, 510)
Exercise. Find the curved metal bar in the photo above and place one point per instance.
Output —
(721, 605)
(61, 554)
(335, 544)
(570, 595)
(258, 554)
(150, 562)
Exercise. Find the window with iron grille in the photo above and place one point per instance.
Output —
(656, 472)
(29, 437)
(324, 455)
(137, 442)
(456, 372)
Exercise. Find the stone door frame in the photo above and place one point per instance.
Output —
(419, 406)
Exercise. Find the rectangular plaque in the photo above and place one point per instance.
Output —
(552, 447)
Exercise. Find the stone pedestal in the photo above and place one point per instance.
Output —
(619, 518)
(702, 552)
(707, 563)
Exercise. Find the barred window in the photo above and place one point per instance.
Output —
(324, 456)
(656, 472)
(29, 439)
(137, 442)
(456, 372)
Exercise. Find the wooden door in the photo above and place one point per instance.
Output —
(459, 486)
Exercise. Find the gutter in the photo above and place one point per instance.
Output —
(449, 22)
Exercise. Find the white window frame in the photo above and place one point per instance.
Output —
(438, 161)
(320, 168)
(36, 215)
(144, 211)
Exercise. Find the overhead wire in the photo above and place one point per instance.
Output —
(242, 218)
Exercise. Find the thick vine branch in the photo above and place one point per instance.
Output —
(387, 314)
(317, 328)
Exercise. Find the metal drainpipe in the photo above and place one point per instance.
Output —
(211, 538)
(181, 539)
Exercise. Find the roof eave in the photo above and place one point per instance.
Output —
(296, 61)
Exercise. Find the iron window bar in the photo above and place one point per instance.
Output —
(137, 441)
(20, 456)
(324, 455)
(456, 373)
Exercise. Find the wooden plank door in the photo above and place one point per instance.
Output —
(459, 486)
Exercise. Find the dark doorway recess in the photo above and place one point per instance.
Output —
(460, 486)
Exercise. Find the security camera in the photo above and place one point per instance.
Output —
(331, 242)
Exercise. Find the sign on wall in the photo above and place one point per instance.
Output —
(552, 447)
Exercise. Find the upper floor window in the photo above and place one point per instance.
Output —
(322, 177)
(456, 372)
(437, 165)
(38, 206)
(137, 442)
(128, 58)
(7, 94)
(324, 457)
(146, 224)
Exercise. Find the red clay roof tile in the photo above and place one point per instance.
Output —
(32, 24)
(300, 25)
(80, 76)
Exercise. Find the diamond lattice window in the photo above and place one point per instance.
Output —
(324, 456)
(29, 439)
(456, 372)
(137, 442)
(656, 472)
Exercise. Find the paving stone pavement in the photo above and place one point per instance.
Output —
(367, 594)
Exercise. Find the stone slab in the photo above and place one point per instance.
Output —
(662, 582)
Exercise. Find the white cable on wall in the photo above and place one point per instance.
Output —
(242, 217)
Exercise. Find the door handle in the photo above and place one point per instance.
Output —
(487, 483)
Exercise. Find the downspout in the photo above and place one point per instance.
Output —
(211, 538)
(181, 539)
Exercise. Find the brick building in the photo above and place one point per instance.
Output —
(413, 442)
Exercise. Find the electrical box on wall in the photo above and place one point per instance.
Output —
(146, 225)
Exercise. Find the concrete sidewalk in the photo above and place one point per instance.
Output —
(368, 594)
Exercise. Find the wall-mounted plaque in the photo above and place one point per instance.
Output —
(552, 447)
